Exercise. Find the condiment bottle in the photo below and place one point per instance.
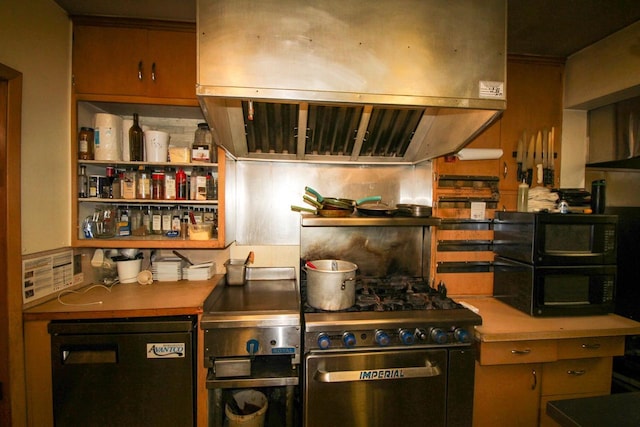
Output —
(85, 144)
(136, 145)
(181, 185)
(523, 197)
(83, 182)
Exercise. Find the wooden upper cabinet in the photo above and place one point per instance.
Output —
(534, 103)
(145, 60)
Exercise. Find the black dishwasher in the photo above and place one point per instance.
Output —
(124, 372)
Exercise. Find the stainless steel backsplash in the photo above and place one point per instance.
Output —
(265, 192)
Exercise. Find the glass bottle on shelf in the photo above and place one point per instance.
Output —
(83, 183)
(202, 146)
(175, 220)
(111, 176)
(146, 220)
(137, 226)
(181, 185)
(128, 185)
(170, 184)
(85, 143)
(144, 184)
(166, 219)
(116, 185)
(193, 184)
(136, 141)
(156, 221)
(157, 184)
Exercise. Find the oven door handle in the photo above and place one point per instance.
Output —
(430, 370)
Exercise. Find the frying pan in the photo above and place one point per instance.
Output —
(338, 203)
(376, 209)
(410, 209)
(323, 212)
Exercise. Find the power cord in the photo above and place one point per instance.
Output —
(72, 291)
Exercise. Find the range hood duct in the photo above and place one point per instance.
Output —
(399, 81)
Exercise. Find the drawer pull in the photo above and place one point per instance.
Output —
(576, 373)
(591, 346)
(525, 351)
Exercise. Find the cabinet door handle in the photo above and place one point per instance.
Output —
(140, 70)
(591, 346)
(534, 376)
(576, 373)
(525, 351)
(504, 170)
(153, 71)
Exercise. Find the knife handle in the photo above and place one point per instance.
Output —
(539, 173)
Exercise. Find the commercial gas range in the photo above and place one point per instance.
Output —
(252, 339)
(403, 354)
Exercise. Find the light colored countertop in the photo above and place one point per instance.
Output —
(501, 322)
(182, 297)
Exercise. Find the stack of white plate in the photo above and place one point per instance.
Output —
(199, 271)
(167, 269)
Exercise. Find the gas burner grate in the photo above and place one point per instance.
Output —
(392, 294)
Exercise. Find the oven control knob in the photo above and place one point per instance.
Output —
(349, 339)
(407, 337)
(438, 336)
(421, 334)
(461, 335)
(252, 346)
(324, 342)
(382, 338)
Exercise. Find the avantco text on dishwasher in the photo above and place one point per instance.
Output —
(165, 350)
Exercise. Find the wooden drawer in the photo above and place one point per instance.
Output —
(577, 376)
(503, 353)
(590, 347)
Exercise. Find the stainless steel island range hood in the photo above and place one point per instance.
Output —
(364, 81)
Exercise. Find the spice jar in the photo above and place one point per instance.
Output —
(202, 144)
(144, 184)
(85, 144)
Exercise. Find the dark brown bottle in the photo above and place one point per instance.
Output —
(136, 146)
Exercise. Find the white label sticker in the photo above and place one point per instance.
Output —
(165, 350)
(489, 89)
(477, 210)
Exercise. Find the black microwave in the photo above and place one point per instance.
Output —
(556, 239)
(547, 291)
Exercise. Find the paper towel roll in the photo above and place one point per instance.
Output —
(108, 136)
(479, 153)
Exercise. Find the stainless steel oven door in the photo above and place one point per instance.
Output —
(376, 388)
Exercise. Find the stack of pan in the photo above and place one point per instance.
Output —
(331, 206)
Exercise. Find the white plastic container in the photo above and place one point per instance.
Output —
(128, 270)
(156, 145)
